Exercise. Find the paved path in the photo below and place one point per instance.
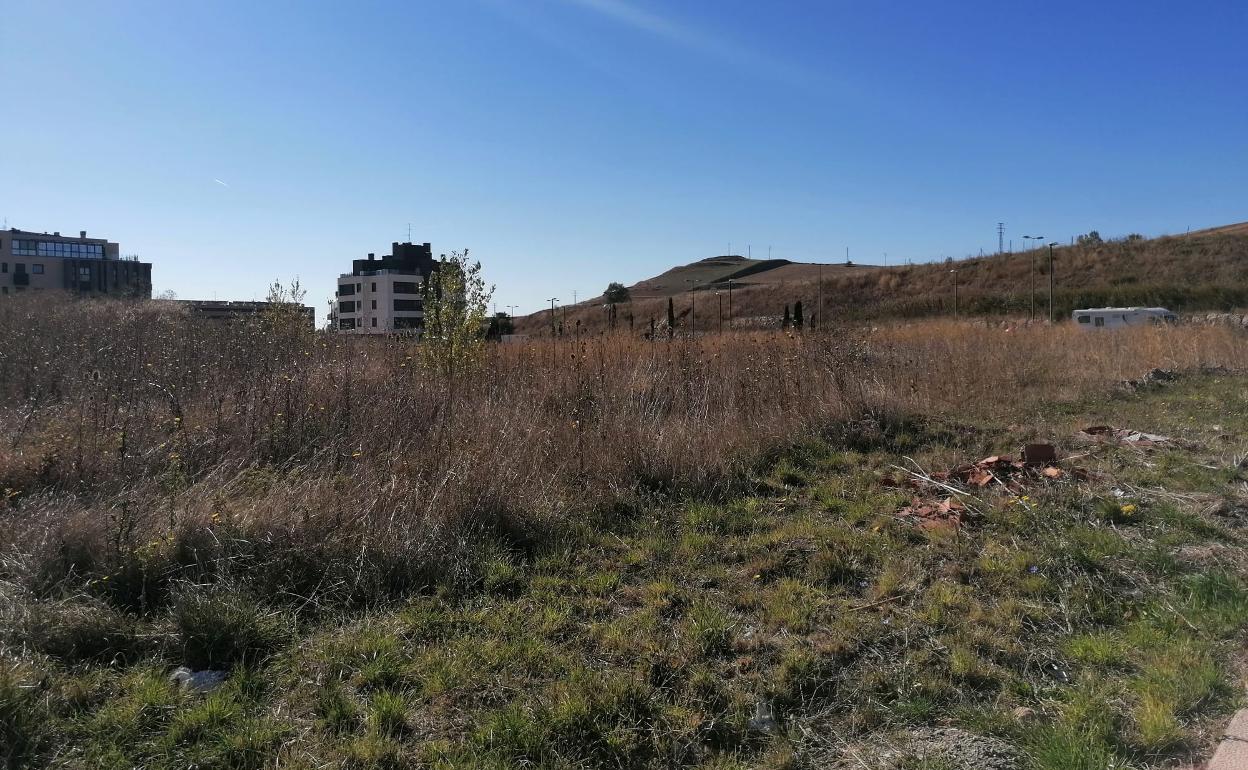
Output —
(1232, 753)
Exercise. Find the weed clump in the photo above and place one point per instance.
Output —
(220, 627)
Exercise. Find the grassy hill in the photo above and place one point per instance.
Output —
(715, 273)
(1202, 270)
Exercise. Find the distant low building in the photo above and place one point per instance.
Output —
(233, 311)
(32, 261)
(384, 295)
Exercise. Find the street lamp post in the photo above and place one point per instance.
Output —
(1031, 277)
(1051, 245)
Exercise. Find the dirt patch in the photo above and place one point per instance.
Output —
(944, 747)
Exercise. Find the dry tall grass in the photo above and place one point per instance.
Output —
(140, 447)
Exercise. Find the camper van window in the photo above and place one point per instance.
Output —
(1100, 321)
(1083, 319)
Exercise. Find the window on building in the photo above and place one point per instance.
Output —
(84, 273)
(358, 287)
(346, 290)
(374, 323)
(406, 287)
(407, 323)
(407, 304)
(37, 269)
(19, 267)
(374, 304)
(31, 248)
(4, 267)
(374, 287)
(346, 306)
(346, 323)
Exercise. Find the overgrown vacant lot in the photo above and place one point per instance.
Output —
(742, 589)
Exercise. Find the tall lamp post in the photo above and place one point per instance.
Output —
(1031, 277)
(1051, 245)
(954, 273)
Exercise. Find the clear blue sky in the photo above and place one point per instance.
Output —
(569, 143)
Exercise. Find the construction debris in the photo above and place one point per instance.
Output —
(1155, 378)
(1036, 464)
(1039, 453)
(1106, 434)
(935, 514)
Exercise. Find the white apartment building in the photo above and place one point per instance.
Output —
(386, 295)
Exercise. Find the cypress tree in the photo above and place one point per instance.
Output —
(797, 315)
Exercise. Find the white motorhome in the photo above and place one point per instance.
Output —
(1119, 317)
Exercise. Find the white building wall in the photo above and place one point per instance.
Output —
(374, 309)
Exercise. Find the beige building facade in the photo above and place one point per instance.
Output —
(31, 261)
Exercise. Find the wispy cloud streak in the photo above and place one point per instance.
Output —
(631, 15)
